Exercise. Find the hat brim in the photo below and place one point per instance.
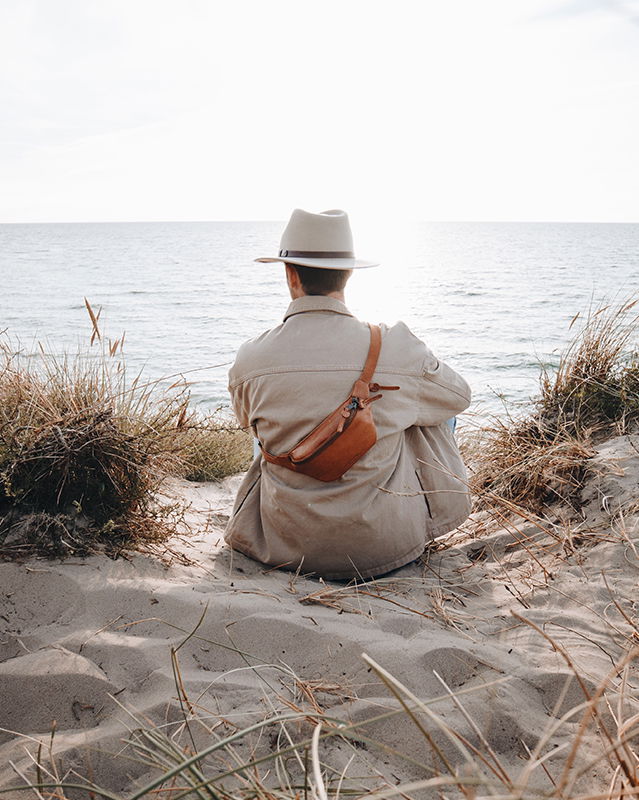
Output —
(324, 263)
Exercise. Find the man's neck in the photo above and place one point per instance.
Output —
(337, 295)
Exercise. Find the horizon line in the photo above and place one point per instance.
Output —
(282, 221)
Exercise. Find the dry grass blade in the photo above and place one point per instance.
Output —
(402, 693)
(317, 769)
(94, 321)
(500, 769)
(615, 746)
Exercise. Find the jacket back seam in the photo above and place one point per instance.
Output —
(322, 369)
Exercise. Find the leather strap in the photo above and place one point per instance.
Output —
(373, 354)
(317, 254)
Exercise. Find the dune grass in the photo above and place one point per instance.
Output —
(287, 753)
(540, 457)
(213, 446)
(85, 449)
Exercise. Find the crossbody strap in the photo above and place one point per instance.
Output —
(360, 387)
(373, 354)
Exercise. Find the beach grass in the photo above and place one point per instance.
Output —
(212, 446)
(85, 449)
(532, 459)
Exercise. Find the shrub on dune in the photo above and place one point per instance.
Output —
(82, 454)
(84, 451)
(593, 393)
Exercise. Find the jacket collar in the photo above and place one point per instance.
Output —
(316, 303)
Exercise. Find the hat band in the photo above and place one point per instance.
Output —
(317, 254)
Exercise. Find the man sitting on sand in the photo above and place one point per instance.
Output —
(408, 488)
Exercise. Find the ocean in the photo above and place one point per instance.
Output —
(494, 300)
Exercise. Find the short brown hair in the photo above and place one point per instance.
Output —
(316, 280)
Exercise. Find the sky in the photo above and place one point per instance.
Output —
(411, 109)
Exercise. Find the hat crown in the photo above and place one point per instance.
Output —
(327, 231)
(321, 240)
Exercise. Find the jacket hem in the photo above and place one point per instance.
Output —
(376, 571)
(346, 574)
(412, 554)
(440, 530)
(353, 572)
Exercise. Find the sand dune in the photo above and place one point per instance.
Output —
(87, 643)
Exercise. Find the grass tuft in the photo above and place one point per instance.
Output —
(84, 451)
(213, 447)
(593, 393)
(595, 388)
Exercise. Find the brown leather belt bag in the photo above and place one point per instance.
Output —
(343, 437)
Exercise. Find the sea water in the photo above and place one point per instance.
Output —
(494, 300)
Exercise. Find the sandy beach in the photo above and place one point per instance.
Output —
(494, 615)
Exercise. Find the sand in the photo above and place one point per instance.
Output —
(88, 643)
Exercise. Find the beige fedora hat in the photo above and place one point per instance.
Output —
(319, 240)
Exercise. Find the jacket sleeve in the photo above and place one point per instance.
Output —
(442, 392)
(239, 399)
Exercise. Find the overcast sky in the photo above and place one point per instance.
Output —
(245, 109)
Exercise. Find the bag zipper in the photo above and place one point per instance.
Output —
(353, 406)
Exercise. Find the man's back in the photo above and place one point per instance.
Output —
(408, 488)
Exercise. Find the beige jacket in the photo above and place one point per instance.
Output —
(409, 488)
